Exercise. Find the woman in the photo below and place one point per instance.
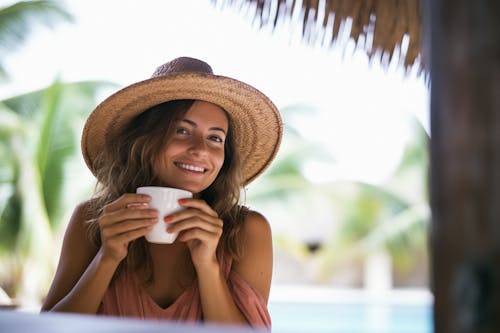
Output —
(190, 129)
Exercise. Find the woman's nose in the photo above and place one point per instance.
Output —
(198, 145)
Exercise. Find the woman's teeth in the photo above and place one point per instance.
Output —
(190, 167)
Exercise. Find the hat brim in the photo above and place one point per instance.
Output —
(257, 122)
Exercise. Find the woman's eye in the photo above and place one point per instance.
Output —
(216, 138)
(181, 130)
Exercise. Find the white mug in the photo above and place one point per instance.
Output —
(165, 200)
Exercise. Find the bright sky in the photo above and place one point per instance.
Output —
(362, 109)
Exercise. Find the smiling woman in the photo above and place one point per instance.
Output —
(194, 154)
(189, 129)
(356, 100)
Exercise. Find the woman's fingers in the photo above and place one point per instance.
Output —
(124, 220)
(200, 227)
(127, 221)
(196, 210)
(198, 204)
(197, 220)
(202, 235)
(132, 213)
(127, 225)
(127, 200)
(131, 234)
(194, 220)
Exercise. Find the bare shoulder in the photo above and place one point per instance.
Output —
(83, 210)
(255, 225)
(256, 262)
(77, 229)
(76, 253)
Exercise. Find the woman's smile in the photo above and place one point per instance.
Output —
(190, 167)
(194, 154)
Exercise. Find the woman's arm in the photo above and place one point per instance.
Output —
(84, 272)
(256, 264)
(202, 233)
(78, 261)
(255, 267)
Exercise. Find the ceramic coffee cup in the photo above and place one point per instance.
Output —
(166, 201)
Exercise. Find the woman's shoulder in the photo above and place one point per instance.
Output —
(255, 221)
(256, 261)
(78, 226)
(84, 211)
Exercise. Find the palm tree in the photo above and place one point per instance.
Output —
(286, 175)
(391, 217)
(38, 140)
(38, 178)
(352, 219)
(17, 21)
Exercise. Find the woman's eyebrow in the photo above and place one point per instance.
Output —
(193, 124)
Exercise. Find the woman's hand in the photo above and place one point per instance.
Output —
(200, 227)
(123, 220)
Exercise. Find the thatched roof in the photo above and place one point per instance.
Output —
(384, 28)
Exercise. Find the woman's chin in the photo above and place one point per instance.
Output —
(193, 188)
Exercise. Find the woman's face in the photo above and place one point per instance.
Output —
(194, 155)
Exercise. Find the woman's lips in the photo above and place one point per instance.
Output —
(190, 167)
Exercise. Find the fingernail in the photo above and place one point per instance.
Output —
(168, 218)
(182, 201)
(137, 205)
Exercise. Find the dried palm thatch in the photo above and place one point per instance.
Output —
(384, 28)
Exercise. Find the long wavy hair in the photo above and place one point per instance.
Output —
(129, 164)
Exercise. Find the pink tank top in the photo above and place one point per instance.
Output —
(126, 298)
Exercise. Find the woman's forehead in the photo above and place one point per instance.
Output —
(207, 114)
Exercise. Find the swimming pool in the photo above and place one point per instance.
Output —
(350, 311)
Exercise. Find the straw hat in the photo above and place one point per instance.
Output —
(257, 122)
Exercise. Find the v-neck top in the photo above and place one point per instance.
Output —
(126, 297)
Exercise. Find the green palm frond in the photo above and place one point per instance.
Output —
(27, 105)
(389, 234)
(44, 125)
(391, 216)
(38, 141)
(19, 19)
(10, 214)
(286, 175)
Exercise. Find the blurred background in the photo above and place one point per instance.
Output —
(346, 197)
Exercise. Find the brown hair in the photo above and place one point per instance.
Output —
(123, 168)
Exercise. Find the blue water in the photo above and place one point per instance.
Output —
(350, 318)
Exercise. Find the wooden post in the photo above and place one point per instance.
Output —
(463, 42)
